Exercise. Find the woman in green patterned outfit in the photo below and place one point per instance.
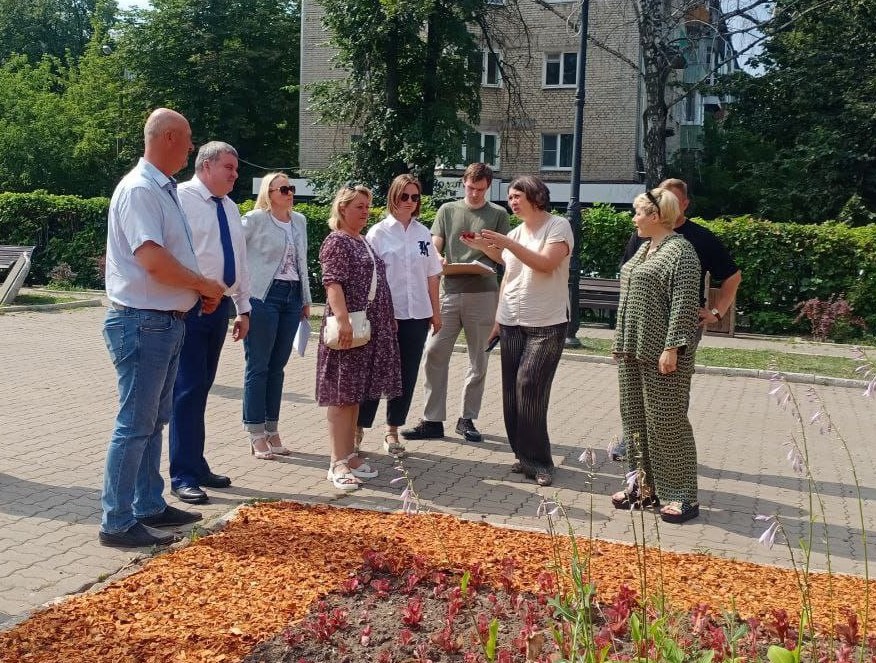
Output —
(653, 345)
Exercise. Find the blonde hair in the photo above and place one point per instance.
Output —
(393, 197)
(345, 196)
(263, 200)
(667, 207)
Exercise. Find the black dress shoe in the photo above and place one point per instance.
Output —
(137, 536)
(215, 481)
(466, 428)
(425, 430)
(190, 494)
(171, 516)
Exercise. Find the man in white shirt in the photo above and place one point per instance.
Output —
(220, 249)
(152, 281)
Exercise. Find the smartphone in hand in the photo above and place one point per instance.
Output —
(492, 344)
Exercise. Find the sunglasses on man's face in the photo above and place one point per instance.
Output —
(404, 197)
(285, 190)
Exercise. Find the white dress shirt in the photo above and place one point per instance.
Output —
(410, 260)
(200, 209)
(145, 208)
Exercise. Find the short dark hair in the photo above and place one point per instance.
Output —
(478, 171)
(535, 190)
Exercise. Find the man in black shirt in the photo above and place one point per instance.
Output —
(714, 259)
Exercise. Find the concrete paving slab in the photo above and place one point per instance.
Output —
(58, 400)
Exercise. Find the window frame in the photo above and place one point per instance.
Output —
(481, 134)
(560, 61)
(558, 145)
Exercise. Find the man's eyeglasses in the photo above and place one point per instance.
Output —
(404, 197)
(285, 190)
(653, 200)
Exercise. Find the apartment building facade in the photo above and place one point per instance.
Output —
(536, 137)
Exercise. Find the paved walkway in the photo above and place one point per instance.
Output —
(58, 400)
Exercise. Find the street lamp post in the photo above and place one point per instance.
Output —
(575, 195)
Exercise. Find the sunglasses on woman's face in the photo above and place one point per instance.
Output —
(285, 190)
(404, 197)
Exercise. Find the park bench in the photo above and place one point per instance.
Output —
(604, 295)
(600, 295)
(17, 260)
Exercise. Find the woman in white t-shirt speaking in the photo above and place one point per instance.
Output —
(531, 321)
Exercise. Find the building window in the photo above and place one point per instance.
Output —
(556, 151)
(560, 69)
(481, 146)
(491, 75)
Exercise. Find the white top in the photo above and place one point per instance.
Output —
(200, 209)
(531, 298)
(410, 260)
(288, 269)
(145, 208)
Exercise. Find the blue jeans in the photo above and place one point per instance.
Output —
(198, 361)
(144, 347)
(272, 327)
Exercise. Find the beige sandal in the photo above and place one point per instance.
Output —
(343, 479)
(276, 449)
(392, 445)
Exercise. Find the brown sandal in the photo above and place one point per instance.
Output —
(391, 444)
(679, 512)
(631, 499)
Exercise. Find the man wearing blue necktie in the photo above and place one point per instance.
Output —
(220, 249)
(152, 281)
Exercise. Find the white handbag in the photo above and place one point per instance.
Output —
(358, 319)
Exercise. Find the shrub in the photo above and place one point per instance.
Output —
(831, 318)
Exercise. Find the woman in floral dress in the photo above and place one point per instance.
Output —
(348, 376)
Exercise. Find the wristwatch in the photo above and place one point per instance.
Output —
(716, 313)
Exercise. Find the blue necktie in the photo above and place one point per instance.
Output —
(229, 274)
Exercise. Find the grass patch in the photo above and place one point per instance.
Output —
(29, 299)
(788, 362)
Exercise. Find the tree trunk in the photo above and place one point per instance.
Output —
(655, 70)
(434, 39)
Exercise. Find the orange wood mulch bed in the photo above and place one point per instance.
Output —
(214, 600)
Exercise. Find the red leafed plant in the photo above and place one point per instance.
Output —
(412, 613)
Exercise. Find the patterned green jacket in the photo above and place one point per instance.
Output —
(659, 300)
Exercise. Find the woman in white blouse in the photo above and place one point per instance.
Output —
(413, 269)
(531, 320)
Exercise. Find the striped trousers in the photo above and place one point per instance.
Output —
(530, 356)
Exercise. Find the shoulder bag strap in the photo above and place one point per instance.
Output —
(372, 291)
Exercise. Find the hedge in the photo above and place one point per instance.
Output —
(782, 263)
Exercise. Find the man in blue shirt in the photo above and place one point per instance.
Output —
(152, 281)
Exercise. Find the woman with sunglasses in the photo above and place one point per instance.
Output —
(276, 252)
(413, 270)
(656, 324)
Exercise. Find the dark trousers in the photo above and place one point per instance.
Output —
(530, 356)
(411, 341)
(205, 335)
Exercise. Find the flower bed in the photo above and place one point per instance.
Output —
(216, 599)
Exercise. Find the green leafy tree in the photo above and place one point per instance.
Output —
(48, 27)
(413, 88)
(800, 142)
(35, 135)
(230, 66)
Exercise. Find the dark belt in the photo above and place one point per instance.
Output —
(178, 315)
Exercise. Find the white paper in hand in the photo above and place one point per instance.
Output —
(301, 337)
